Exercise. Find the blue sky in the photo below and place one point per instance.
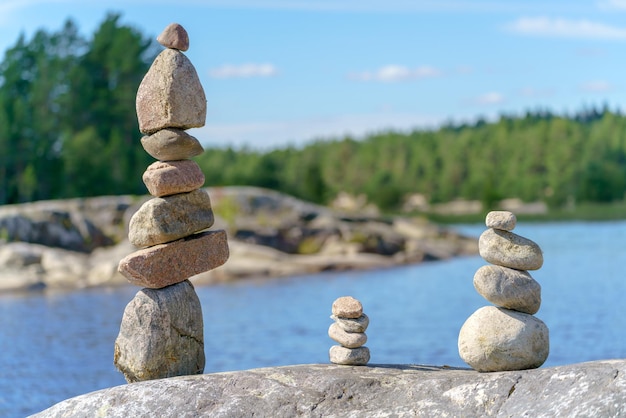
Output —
(280, 72)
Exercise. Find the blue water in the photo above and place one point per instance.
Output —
(58, 345)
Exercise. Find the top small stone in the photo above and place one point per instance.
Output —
(347, 307)
(174, 36)
(501, 219)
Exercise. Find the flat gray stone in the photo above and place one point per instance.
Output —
(508, 288)
(349, 356)
(170, 95)
(501, 219)
(346, 339)
(507, 249)
(161, 334)
(496, 339)
(359, 324)
(165, 178)
(326, 390)
(171, 144)
(166, 264)
(166, 219)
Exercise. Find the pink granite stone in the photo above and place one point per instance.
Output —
(174, 262)
(174, 36)
(347, 307)
(167, 178)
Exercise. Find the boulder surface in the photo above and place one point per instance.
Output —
(587, 389)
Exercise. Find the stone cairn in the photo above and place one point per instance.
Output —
(161, 334)
(349, 331)
(506, 336)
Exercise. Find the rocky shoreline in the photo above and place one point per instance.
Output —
(77, 243)
(323, 390)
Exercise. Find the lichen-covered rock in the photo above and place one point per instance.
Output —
(171, 144)
(166, 219)
(508, 288)
(327, 390)
(346, 339)
(161, 334)
(496, 339)
(501, 219)
(167, 264)
(170, 95)
(507, 249)
(165, 178)
(349, 356)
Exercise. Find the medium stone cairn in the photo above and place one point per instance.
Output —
(506, 336)
(161, 334)
(349, 331)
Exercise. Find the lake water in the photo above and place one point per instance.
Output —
(55, 346)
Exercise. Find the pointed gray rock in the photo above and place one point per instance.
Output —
(161, 334)
(174, 36)
(170, 95)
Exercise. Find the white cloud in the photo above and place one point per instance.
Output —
(596, 86)
(243, 71)
(392, 73)
(491, 98)
(613, 4)
(564, 28)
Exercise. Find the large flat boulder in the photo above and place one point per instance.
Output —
(321, 390)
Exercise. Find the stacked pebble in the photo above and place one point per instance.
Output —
(506, 336)
(349, 331)
(161, 333)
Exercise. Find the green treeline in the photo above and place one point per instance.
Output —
(67, 113)
(68, 129)
(538, 156)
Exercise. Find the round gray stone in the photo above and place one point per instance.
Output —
(346, 339)
(508, 288)
(496, 339)
(507, 249)
(171, 144)
(161, 334)
(501, 219)
(349, 356)
(359, 324)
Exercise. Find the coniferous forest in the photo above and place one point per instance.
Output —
(68, 129)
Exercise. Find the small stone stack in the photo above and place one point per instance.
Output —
(161, 334)
(506, 336)
(349, 331)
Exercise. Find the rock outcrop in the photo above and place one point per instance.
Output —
(580, 390)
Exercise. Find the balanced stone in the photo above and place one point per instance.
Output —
(166, 219)
(352, 324)
(508, 288)
(501, 219)
(165, 178)
(166, 264)
(347, 307)
(496, 339)
(174, 36)
(346, 339)
(171, 144)
(170, 95)
(161, 334)
(507, 249)
(349, 356)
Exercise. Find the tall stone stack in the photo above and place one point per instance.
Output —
(349, 331)
(161, 334)
(507, 336)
